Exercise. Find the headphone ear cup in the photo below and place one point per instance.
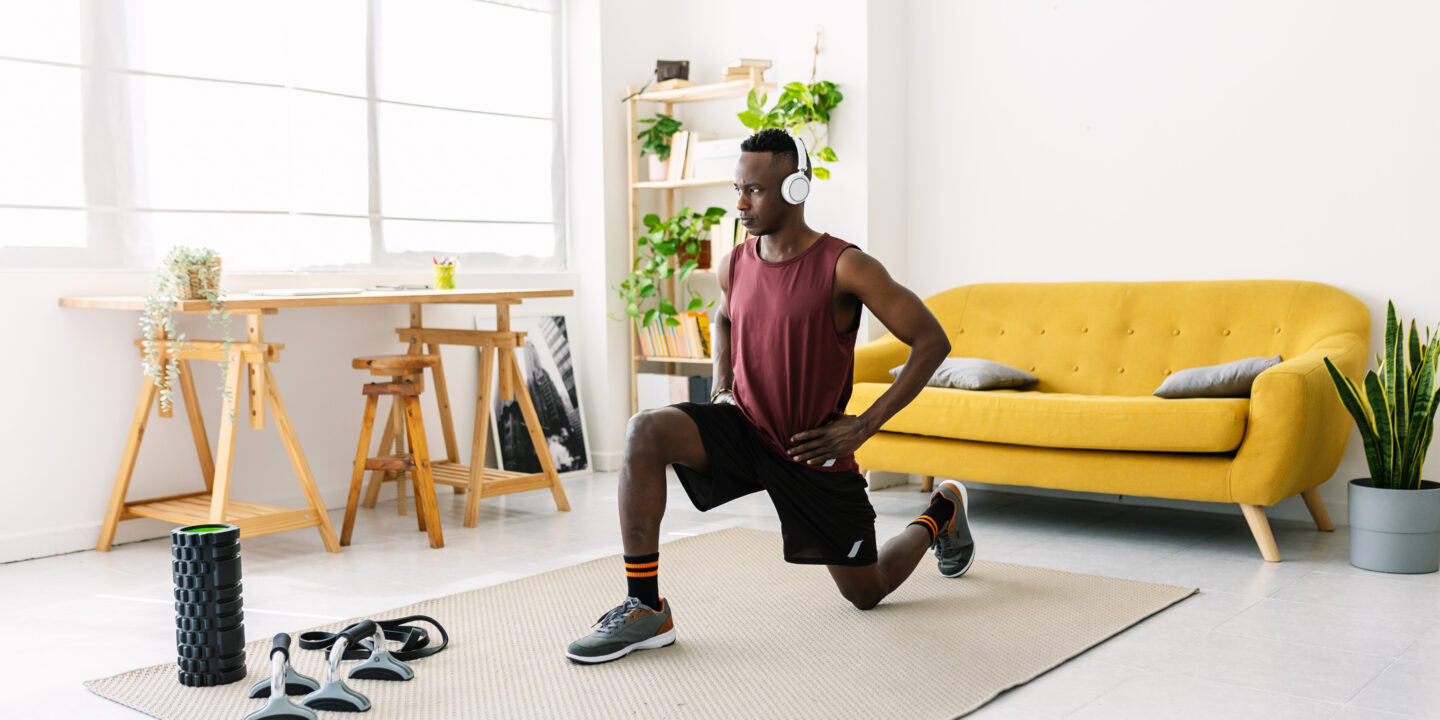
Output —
(795, 188)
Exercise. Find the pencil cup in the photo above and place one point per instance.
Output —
(444, 277)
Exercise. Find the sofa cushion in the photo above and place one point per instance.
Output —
(1061, 420)
(973, 374)
(1232, 379)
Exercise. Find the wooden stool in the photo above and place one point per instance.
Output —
(404, 388)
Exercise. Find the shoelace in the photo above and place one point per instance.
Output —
(612, 619)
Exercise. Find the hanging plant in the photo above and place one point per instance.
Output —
(800, 109)
(185, 274)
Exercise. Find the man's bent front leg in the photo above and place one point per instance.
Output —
(865, 586)
(654, 439)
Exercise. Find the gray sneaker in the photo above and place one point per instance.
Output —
(631, 626)
(954, 545)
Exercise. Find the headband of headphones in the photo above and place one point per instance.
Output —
(804, 159)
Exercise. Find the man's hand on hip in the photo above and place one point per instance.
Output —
(831, 441)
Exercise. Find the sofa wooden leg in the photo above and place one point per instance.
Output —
(927, 483)
(1260, 528)
(1317, 509)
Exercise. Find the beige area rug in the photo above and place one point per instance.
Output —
(756, 638)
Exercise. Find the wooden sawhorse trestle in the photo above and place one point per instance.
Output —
(496, 346)
(251, 358)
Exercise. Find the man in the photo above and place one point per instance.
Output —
(784, 344)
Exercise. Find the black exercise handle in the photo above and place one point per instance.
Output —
(359, 631)
(281, 645)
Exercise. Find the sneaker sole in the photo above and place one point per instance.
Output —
(965, 508)
(664, 639)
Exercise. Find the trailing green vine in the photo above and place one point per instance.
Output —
(185, 274)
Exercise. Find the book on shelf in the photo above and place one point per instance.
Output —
(679, 148)
(682, 342)
(748, 63)
(703, 321)
(692, 335)
(700, 389)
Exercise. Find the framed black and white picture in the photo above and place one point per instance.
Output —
(548, 366)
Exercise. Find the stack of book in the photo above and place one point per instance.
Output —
(689, 341)
(740, 69)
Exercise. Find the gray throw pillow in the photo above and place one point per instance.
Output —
(1232, 379)
(974, 374)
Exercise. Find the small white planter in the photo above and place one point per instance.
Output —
(659, 169)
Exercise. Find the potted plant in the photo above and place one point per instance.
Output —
(802, 110)
(185, 274)
(1394, 514)
(669, 247)
(657, 143)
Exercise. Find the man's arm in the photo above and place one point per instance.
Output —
(906, 317)
(720, 337)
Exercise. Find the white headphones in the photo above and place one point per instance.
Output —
(796, 187)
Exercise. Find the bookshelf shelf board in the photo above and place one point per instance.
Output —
(701, 93)
(680, 184)
(688, 361)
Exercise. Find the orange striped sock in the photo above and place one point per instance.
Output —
(640, 576)
(939, 513)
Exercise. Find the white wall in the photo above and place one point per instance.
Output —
(1139, 140)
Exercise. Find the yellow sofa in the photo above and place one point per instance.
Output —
(1092, 424)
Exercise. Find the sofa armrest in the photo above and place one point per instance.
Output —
(1298, 428)
(874, 359)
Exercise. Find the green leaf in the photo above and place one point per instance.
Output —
(651, 221)
(1355, 402)
(826, 154)
(696, 303)
(672, 322)
(667, 307)
(1384, 429)
(647, 290)
(649, 317)
(752, 120)
(715, 212)
(632, 310)
(821, 173)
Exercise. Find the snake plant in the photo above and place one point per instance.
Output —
(1396, 410)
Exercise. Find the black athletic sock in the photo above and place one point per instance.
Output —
(939, 513)
(640, 574)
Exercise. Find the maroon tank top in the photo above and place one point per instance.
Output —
(792, 371)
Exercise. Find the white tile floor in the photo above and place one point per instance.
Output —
(1310, 637)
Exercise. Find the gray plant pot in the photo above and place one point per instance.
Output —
(1395, 531)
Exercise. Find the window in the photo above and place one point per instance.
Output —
(287, 134)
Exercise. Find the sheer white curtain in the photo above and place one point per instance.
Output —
(287, 134)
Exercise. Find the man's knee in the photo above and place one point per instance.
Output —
(644, 434)
(862, 595)
(864, 599)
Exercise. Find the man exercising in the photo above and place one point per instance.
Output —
(784, 351)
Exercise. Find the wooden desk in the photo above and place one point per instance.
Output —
(252, 358)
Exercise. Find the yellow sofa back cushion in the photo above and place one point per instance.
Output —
(1124, 338)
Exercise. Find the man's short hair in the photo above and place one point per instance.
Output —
(774, 141)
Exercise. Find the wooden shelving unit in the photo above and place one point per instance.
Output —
(736, 89)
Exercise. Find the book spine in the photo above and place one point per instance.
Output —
(703, 322)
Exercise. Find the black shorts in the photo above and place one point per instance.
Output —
(825, 517)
